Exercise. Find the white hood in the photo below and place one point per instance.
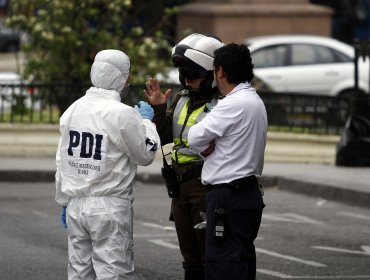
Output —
(110, 70)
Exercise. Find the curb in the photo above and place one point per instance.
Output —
(26, 176)
(325, 191)
(34, 176)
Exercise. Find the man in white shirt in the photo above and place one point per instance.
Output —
(232, 137)
(102, 141)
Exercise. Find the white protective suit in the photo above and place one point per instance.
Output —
(102, 142)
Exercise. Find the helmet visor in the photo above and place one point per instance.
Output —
(192, 74)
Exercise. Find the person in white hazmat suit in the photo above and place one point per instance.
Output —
(102, 141)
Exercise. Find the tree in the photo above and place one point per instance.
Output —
(65, 35)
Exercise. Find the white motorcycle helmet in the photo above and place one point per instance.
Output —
(193, 56)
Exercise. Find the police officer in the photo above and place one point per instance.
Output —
(233, 138)
(102, 141)
(193, 57)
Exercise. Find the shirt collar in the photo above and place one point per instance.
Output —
(103, 93)
(239, 87)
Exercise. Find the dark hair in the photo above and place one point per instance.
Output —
(236, 62)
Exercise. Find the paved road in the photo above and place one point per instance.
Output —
(301, 237)
(312, 238)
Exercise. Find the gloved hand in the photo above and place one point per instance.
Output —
(145, 110)
(63, 219)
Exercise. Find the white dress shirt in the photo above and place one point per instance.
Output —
(238, 125)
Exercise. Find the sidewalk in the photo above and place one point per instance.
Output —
(296, 162)
(36, 140)
(342, 184)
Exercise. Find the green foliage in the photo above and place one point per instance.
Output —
(65, 35)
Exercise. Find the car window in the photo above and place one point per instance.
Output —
(274, 56)
(313, 54)
(342, 57)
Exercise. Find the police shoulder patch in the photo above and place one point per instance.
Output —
(151, 144)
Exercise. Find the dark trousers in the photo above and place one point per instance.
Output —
(186, 212)
(234, 256)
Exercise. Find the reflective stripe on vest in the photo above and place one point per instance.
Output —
(183, 154)
(181, 126)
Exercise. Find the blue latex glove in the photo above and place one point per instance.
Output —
(145, 110)
(63, 219)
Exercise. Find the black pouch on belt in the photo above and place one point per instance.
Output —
(220, 218)
(170, 178)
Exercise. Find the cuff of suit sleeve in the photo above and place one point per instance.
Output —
(159, 108)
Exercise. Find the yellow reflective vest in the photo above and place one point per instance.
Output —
(182, 121)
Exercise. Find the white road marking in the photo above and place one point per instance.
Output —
(264, 225)
(153, 225)
(163, 243)
(40, 214)
(365, 250)
(294, 259)
(354, 215)
(321, 202)
(274, 273)
(159, 235)
(286, 276)
(292, 218)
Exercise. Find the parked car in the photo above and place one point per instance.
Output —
(307, 64)
(7, 92)
(9, 39)
(171, 76)
(15, 96)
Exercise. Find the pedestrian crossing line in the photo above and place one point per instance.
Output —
(164, 243)
(286, 276)
(291, 258)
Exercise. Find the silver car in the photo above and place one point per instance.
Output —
(307, 64)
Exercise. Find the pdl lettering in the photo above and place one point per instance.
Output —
(87, 141)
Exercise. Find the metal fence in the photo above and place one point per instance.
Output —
(41, 103)
(306, 113)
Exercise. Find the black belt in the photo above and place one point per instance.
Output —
(189, 171)
(236, 184)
